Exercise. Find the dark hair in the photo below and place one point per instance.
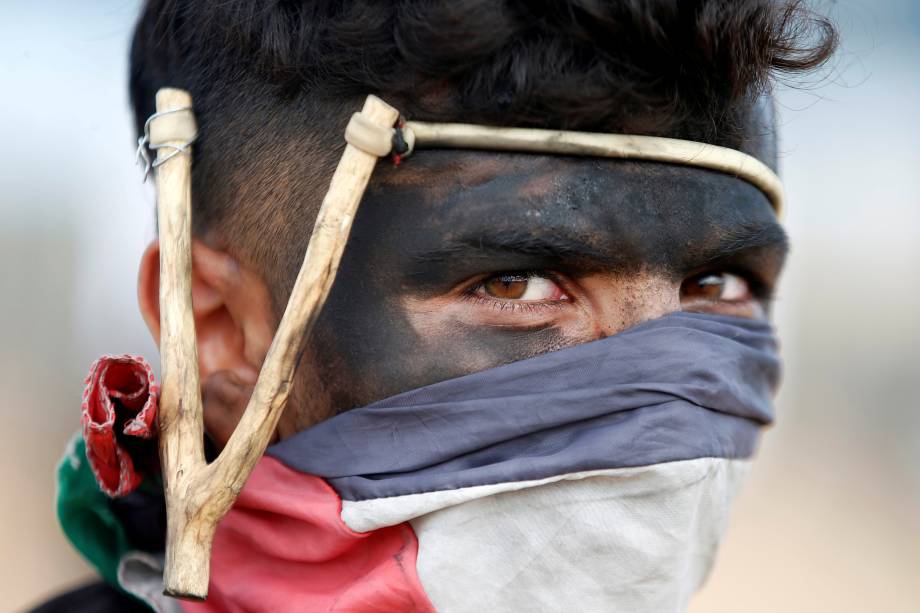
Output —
(275, 80)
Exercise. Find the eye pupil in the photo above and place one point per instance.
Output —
(507, 287)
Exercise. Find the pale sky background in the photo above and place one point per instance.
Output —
(831, 518)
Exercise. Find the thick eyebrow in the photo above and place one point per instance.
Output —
(486, 245)
(521, 250)
(747, 238)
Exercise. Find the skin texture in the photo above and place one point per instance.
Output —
(602, 244)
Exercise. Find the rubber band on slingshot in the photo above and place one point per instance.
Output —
(143, 143)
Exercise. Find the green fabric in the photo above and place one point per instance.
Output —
(85, 516)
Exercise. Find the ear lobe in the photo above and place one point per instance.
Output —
(225, 398)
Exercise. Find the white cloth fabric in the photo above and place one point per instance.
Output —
(634, 539)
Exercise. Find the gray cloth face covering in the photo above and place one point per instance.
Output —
(681, 387)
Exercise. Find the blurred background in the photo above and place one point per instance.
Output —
(830, 520)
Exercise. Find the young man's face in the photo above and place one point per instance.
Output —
(462, 261)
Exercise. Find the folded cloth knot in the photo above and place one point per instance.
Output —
(119, 422)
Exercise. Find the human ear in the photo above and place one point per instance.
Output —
(234, 323)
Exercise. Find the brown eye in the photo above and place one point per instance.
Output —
(506, 287)
(523, 287)
(724, 287)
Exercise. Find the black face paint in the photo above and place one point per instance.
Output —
(446, 216)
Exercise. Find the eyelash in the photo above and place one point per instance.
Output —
(508, 305)
(470, 295)
(760, 290)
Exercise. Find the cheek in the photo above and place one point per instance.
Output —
(369, 346)
(364, 351)
(383, 353)
(455, 337)
(453, 349)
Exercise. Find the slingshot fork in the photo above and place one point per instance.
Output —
(199, 494)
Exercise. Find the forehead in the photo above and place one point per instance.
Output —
(641, 211)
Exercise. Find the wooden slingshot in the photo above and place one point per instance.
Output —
(198, 494)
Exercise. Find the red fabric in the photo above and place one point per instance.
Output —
(119, 408)
(284, 547)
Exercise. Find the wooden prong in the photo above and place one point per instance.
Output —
(198, 495)
(180, 411)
